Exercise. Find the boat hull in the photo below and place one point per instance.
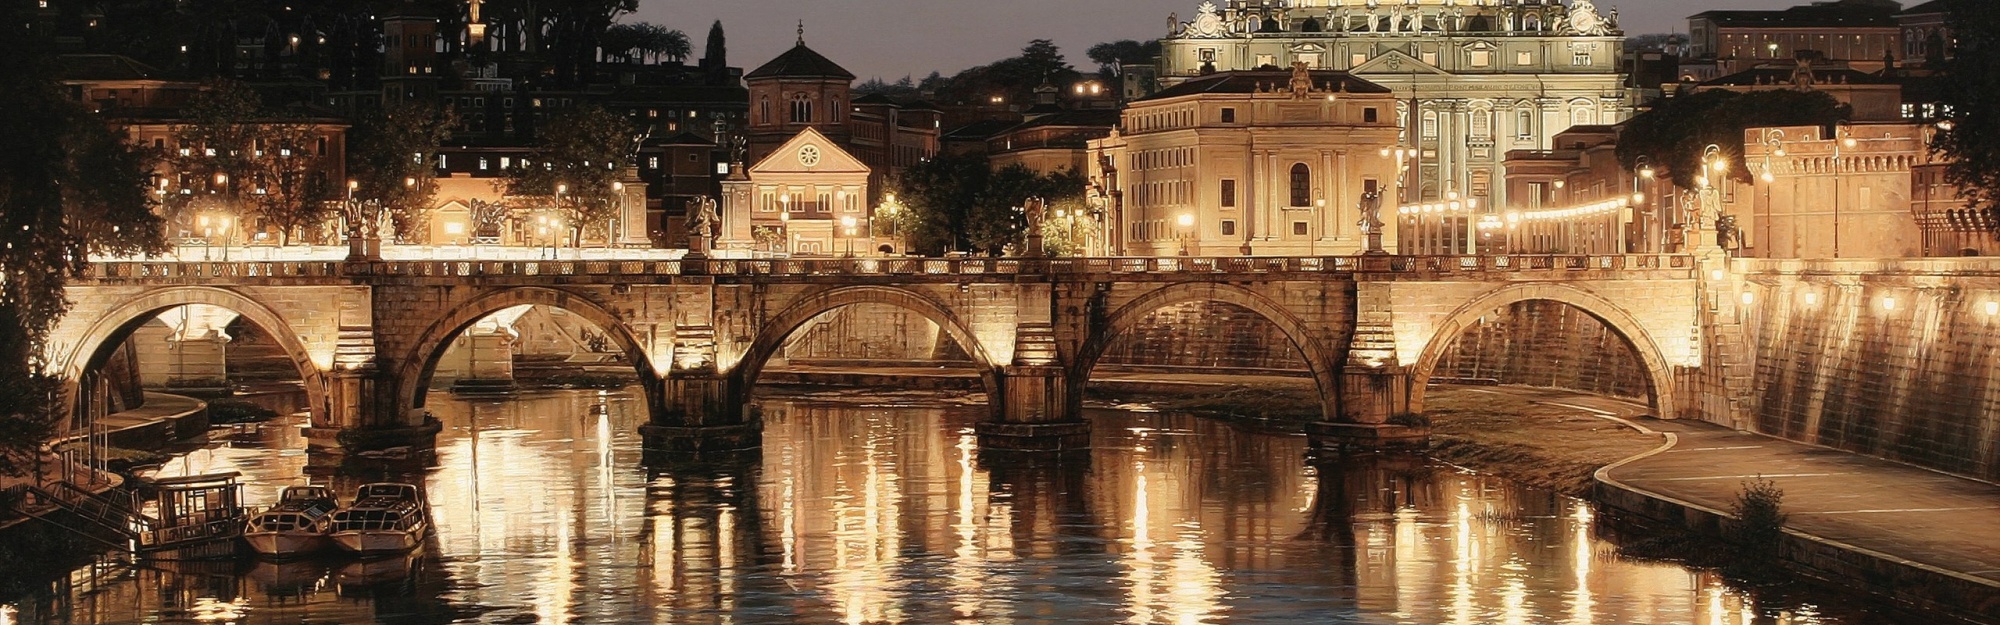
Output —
(286, 544)
(377, 542)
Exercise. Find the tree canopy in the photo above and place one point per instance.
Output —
(573, 168)
(640, 41)
(69, 187)
(1969, 87)
(238, 158)
(959, 203)
(1115, 55)
(1673, 135)
(393, 149)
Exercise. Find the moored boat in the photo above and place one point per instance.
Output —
(298, 525)
(384, 518)
(198, 518)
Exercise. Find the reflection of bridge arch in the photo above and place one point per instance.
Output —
(1319, 359)
(1659, 375)
(771, 335)
(414, 375)
(114, 326)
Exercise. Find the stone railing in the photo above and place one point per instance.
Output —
(887, 267)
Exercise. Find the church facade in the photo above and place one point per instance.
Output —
(1473, 79)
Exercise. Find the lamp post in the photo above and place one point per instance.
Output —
(1842, 138)
(785, 224)
(1187, 231)
(847, 229)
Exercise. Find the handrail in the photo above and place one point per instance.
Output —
(892, 266)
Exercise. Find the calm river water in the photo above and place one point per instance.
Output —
(885, 514)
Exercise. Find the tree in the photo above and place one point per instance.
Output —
(1013, 78)
(1115, 55)
(716, 53)
(237, 158)
(391, 162)
(287, 192)
(958, 203)
(1969, 87)
(1673, 135)
(573, 168)
(69, 187)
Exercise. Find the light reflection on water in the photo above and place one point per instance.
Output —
(889, 515)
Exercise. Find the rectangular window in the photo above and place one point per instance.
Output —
(1301, 228)
(1266, 59)
(1228, 227)
(1430, 58)
(505, 162)
(1482, 58)
(1228, 115)
(722, 169)
(1580, 59)
(1370, 115)
(652, 162)
(1357, 59)
(1229, 194)
(1369, 185)
(1524, 58)
(482, 163)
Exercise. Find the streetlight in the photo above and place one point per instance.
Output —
(847, 227)
(1187, 229)
(785, 224)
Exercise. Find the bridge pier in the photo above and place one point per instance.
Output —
(359, 424)
(698, 411)
(1373, 404)
(1036, 413)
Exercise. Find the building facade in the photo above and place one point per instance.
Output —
(1856, 33)
(1249, 163)
(1474, 79)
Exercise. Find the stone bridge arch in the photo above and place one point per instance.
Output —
(771, 334)
(110, 326)
(1322, 359)
(413, 371)
(1622, 323)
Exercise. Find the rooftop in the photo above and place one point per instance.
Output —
(1257, 81)
(800, 62)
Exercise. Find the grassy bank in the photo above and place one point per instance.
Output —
(1537, 444)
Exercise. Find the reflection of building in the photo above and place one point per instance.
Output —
(1486, 77)
(1858, 33)
(1252, 162)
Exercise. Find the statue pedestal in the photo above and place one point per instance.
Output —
(698, 248)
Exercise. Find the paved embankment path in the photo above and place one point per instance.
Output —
(1897, 511)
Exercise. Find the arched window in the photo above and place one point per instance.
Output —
(1482, 123)
(764, 110)
(833, 110)
(1581, 116)
(1302, 179)
(802, 108)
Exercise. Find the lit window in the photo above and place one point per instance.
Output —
(1580, 59)
(453, 227)
(1524, 58)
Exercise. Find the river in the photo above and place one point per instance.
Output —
(885, 513)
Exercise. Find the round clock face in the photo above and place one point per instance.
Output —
(809, 155)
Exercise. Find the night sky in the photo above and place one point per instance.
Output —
(893, 38)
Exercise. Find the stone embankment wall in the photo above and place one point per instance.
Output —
(1898, 359)
(1545, 343)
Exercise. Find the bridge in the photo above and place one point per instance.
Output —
(367, 336)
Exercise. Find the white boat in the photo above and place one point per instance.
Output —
(384, 518)
(298, 525)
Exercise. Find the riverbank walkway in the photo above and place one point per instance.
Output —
(1883, 509)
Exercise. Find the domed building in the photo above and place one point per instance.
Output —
(1474, 78)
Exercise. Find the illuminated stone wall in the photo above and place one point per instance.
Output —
(1210, 335)
(1544, 343)
(1894, 359)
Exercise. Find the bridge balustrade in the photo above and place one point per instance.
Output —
(1248, 265)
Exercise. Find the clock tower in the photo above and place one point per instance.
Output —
(798, 90)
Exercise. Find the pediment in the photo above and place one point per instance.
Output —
(809, 152)
(1396, 62)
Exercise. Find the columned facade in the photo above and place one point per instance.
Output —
(1483, 78)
